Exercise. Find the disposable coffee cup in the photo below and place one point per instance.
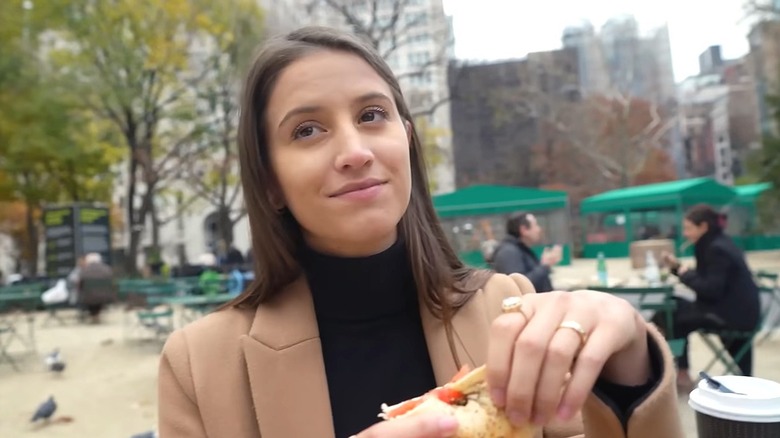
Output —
(755, 413)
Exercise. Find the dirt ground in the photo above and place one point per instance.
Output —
(108, 389)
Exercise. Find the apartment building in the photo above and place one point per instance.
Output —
(622, 57)
(498, 113)
(719, 113)
(764, 39)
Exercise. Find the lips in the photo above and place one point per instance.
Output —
(357, 186)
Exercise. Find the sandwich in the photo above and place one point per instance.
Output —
(467, 399)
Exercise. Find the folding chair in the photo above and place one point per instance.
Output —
(52, 313)
(772, 317)
(722, 356)
(17, 306)
(145, 315)
(7, 334)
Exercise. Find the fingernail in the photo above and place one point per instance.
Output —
(564, 412)
(516, 417)
(448, 425)
(499, 397)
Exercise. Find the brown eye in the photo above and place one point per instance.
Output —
(373, 114)
(305, 131)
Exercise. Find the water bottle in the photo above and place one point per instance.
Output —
(652, 273)
(601, 269)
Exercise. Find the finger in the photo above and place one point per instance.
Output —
(503, 333)
(530, 348)
(415, 426)
(558, 362)
(587, 368)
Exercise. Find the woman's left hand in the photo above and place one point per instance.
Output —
(530, 355)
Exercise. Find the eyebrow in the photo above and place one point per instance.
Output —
(309, 109)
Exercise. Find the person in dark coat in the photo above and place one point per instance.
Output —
(514, 254)
(727, 296)
(94, 269)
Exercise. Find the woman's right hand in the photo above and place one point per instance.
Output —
(670, 260)
(415, 426)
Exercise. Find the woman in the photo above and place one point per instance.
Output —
(362, 300)
(727, 297)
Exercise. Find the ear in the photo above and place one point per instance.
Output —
(409, 130)
(276, 200)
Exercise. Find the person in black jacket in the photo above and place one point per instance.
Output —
(727, 297)
(514, 254)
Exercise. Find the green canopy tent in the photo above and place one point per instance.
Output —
(744, 221)
(475, 214)
(749, 194)
(614, 219)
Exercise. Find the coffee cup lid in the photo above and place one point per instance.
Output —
(759, 404)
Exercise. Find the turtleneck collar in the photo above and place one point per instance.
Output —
(360, 288)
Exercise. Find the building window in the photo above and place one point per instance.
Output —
(421, 78)
(419, 58)
(419, 38)
(417, 19)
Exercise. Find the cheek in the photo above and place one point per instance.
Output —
(297, 175)
(401, 167)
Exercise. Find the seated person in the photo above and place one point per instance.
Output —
(726, 294)
(515, 256)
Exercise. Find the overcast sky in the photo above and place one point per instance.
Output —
(502, 29)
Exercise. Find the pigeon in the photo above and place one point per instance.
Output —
(45, 410)
(54, 361)
(150, 434)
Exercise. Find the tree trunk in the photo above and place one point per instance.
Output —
(131, 261)
(155, 216)
(225, 225)
(32, 241)
(181, 249)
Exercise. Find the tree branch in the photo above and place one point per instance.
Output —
(432, 109)
(180, 210)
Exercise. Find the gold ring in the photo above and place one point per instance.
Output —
(577, 327)
(513, 305)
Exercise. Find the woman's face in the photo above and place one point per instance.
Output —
(340, 153)
(693, 232)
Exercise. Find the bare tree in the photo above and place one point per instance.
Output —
(141, 75)
(391, 25)
(762, 9)
(214, 178)
(614, 134)
(620, 134)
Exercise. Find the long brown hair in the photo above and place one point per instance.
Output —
(443, 281)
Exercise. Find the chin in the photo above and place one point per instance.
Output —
(369, 227)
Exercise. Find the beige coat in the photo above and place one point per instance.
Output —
(247, 373)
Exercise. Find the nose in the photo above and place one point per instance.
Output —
(353, 153)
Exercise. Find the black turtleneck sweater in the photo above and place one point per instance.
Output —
(372, 338)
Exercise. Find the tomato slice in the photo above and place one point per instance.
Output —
(444, 393)
(447, 395)
(405, 407)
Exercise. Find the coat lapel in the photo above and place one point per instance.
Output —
(286, 369)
